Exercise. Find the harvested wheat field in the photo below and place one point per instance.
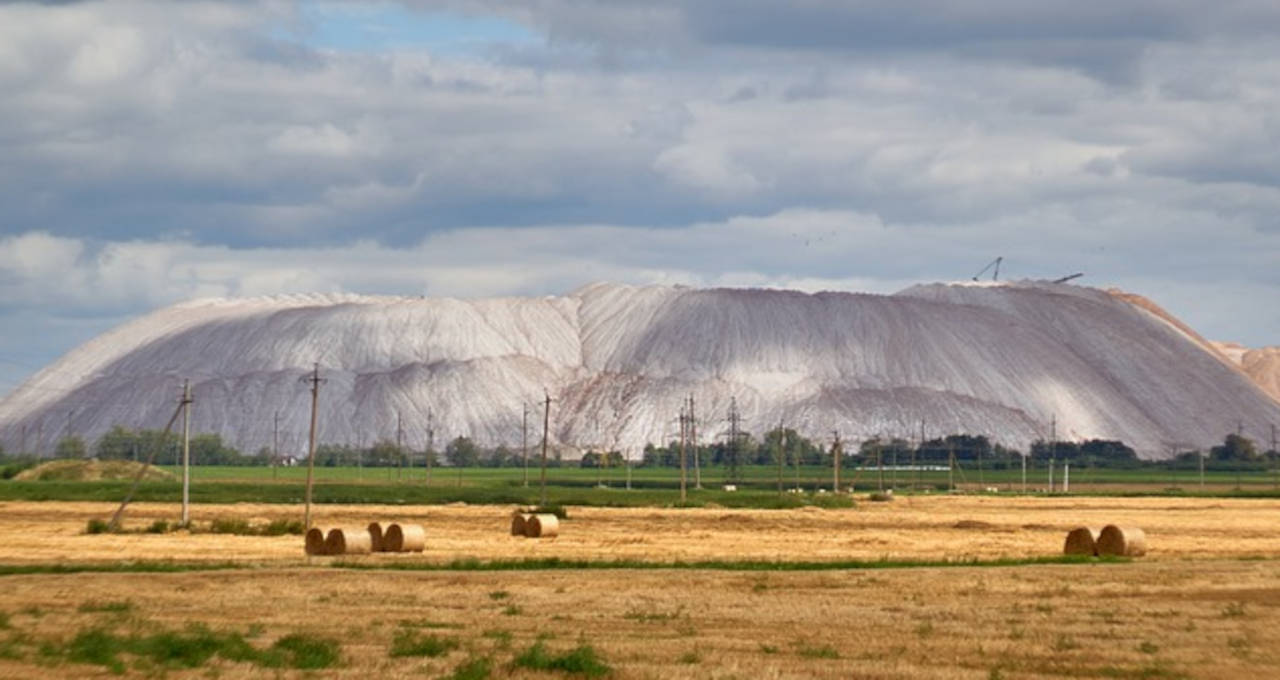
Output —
(1208, 619)
(943, 527)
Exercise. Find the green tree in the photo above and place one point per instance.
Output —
(1235, 449)
(117, 444)
(70, 447)
(462, 452)
(385, 453)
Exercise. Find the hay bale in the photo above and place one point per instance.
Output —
(1081, 541)
(315, 542)
(518, 522)
(542, 526)
(348, 541)
(405, 538)
(375, 537)
(1122, 541)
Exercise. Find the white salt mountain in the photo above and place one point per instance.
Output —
(1003, 360)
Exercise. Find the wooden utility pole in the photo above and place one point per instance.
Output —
(836, 453)
(186, 452)
(275, 445)
(314, 379)
(546, 425)
(524, 441)
(1024, 471)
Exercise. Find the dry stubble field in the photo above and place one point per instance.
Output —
(1204, 603)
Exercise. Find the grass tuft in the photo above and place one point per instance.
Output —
(113, 607)
(474, 668)
(821, 652)
(583, 659)
(412, 643)
(308, 652)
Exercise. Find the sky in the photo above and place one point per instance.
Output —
(153, 152)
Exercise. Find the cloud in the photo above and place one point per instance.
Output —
(151, 152)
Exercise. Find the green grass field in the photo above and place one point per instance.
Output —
(757, 487)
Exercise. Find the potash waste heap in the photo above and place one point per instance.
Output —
(1002, 359)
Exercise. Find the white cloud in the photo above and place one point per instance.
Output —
(151, 152)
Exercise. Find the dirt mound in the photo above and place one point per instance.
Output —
(91, 471)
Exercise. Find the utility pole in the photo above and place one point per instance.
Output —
(399, 446)
(880, 463)
(546, 424)
(431, 444)
(836, 453)
(795, 459)
(693, 434)
(1024, 471)
(782, 453)
(734, 419)
(1239, 435)
(951, 464)
(1053, 449)
(1066, 478)
(893, 464)
(39, 436)
(67, 434)
(919, 472)
(314, 379)
(275, 445)
(524, 441)
(1275, 454)
(683, 461)
(22, 443)
(1201, 457)
(186, 452)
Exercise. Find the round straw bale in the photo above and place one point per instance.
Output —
(315, 542)
(1081, 541)
(349, 541)
(542, 526)
(518, 522)
(405, 538)
(376, 538)
(1122, 541)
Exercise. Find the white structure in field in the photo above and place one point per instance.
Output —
(1000, 359)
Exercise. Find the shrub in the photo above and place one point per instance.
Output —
(96, 526)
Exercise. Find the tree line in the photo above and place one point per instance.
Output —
(777, 446)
